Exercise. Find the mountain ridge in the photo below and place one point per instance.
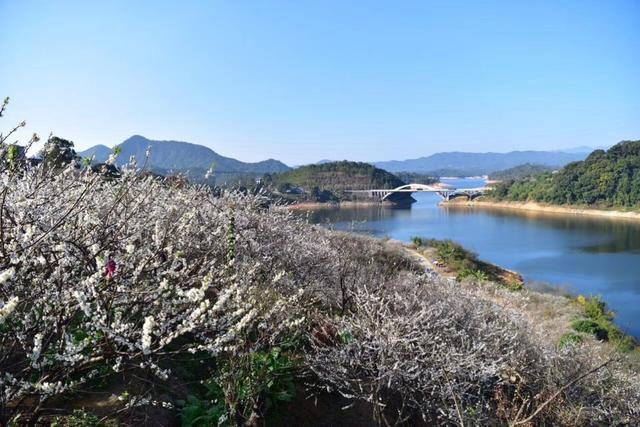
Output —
(180, 155)
(479, 163)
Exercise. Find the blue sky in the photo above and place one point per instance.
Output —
(306, 80)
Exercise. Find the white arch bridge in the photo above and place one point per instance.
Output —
(444, 192)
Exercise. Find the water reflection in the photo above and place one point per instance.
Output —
(616, 235)
(589, 255)
(355, 214)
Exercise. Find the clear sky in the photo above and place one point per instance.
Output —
(302, 81)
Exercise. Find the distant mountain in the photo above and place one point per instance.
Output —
(101, 153)
(471, 164)
(181, 156)
(583, 149)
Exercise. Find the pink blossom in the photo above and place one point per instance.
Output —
(110, 269)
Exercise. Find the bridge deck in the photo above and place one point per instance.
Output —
(445, 193)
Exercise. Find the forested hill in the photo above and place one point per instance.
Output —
(337, 176)
(522, 171)
(605, 178)
(333, 179)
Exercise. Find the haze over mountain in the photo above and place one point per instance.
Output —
(478, 163)
(584, 149)
(169, 156)
(179, 156)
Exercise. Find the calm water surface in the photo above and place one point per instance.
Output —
(583, 255)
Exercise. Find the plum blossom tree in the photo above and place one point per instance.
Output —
(122, 275)
(104, 277)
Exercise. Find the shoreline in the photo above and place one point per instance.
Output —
(428, 257)
(544, 209)
(552, 309)
(333, 205)
(546, 296)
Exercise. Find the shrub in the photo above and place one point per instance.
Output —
(123, 275)
(433, 351)
(569, 339)
(208, 410)
(254, 384)
(475, 274)
(424, 345)
(514, 286)
(591, 327)
(627, 344)
(596, 309)
(80, 418)
(600, 323)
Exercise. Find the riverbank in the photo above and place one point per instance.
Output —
(543, 208)
(549, 314)
(559, 317)
(451, 259)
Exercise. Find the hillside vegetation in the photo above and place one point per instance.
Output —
(416, 178)
(329, 181)
(223, 313)
(526, 170)
(604, 179)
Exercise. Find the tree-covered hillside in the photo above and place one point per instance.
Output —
(417, 178)
(605, 178)
(329, 181)
(526, 170)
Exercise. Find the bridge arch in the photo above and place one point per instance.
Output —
(410, 188)
(444, 192)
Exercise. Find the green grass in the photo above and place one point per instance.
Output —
(598, 321)
(570, 339)
(590, 327)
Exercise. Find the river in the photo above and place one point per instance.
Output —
(582, 255)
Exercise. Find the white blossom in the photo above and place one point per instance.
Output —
(7, 308)
(147, 331)
(7, 275)
(37, 349)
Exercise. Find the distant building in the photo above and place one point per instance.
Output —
(20, 155)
